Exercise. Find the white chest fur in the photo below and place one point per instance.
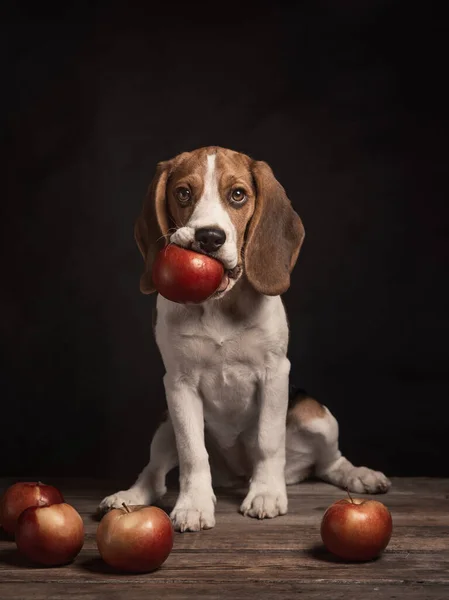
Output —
(224, 352)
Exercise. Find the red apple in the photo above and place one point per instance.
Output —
(181, 275)
(137, 539)
(20, 496)
(50, 535)
(356, 529)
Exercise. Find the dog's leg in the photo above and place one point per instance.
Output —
(267, 495)
(312, 441)
(195, 507)
(150, 485)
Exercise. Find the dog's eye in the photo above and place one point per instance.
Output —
(183, 194)
(238, 195)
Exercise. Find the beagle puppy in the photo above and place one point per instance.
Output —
(227, 372)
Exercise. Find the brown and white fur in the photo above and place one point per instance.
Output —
(227, 371)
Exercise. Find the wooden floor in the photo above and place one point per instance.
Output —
(250, 559)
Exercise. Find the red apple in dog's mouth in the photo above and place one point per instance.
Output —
(185, 276)
(224, 283)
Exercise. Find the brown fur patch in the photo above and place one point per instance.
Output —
(275, 235)
(152, 225)
(304, 409)
(187, 170)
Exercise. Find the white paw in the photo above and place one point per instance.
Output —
(366, 481)
(130, 497)
(193, 514)
(262, 503)
(192, 520)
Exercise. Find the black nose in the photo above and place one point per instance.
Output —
(209, 239)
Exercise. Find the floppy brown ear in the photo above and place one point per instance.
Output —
(152, 225)
(275, 235)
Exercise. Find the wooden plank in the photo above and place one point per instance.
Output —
(404, 505)
(304, 511)
(211, 591)
(321, 496)
(311, 566)
(415, 528)
(268, 536)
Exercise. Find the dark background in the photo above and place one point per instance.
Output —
(346, 101)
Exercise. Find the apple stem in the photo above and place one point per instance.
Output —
(125, 507)
(350, 498)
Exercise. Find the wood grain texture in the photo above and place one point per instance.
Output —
(213, 591)
(246, 558)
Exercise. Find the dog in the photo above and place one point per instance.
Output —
(230, 416)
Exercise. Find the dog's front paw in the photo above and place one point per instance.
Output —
(265, 503)
(366, 481)
(130, 497)
(191, 519)
(194, 514)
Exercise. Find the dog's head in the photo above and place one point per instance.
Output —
(224, 204)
